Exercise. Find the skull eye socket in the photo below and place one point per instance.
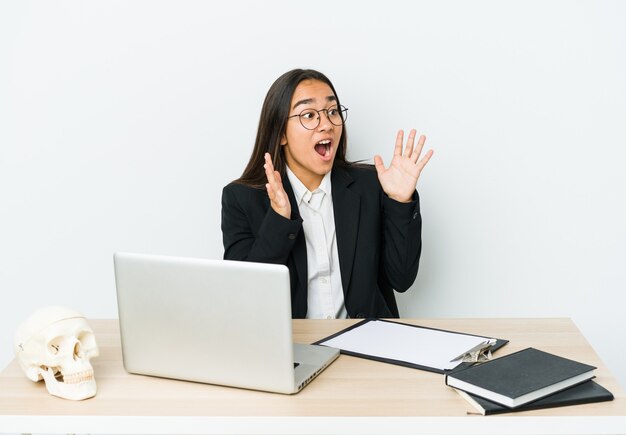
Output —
(78, 353)
(54, 345)
(87, 341)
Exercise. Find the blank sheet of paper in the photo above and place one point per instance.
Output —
(396, 341)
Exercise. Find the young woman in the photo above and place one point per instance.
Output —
(349, 233)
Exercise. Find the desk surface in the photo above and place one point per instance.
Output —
(353, 395)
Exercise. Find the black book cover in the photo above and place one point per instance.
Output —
(520, 377)
(587, 392)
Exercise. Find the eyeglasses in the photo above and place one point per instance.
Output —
(310, 118)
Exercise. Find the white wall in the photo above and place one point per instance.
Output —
(121, 121)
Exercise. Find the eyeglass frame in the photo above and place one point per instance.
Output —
(319, 116)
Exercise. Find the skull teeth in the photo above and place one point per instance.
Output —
(78, 377)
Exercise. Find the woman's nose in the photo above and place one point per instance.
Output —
(325, 123)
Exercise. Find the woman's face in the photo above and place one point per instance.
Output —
(310, 153)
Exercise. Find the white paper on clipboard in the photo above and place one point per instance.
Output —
(401, 342)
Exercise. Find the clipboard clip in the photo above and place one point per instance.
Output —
(481, 352)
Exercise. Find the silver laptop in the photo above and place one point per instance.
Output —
(212, 321)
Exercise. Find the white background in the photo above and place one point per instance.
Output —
(121, 121)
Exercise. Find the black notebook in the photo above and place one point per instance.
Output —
(587, 392)
(521, 377)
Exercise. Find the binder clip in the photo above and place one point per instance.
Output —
(477, 354)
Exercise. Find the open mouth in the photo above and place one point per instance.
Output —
(323, 148)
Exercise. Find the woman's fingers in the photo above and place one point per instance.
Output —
(411, 150)
(279, 191)
(397, 151)
(420, 165)
(269, 167)
(418, 148)
(275, 190)
(270, 173)
(270, 191)
(408, 149)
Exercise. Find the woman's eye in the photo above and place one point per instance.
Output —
(333, 112)
(307, 115)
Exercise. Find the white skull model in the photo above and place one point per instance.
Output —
(55, 344)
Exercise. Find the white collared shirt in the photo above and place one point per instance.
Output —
(325, 292)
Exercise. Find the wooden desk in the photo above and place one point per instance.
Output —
(351, 396)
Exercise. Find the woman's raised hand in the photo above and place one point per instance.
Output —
(275, 190)
(400, 178)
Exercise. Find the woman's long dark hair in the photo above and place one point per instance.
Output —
(273, 125)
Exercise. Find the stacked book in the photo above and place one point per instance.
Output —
(524, 380)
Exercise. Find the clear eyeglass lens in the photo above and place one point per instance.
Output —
(310, 118)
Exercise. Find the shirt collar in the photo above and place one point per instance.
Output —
(300, 190)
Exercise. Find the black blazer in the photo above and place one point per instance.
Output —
(378, 239)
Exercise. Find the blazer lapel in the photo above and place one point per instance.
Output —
(346, 207)
(299, 249)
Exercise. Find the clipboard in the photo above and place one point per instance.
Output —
(407, 345)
